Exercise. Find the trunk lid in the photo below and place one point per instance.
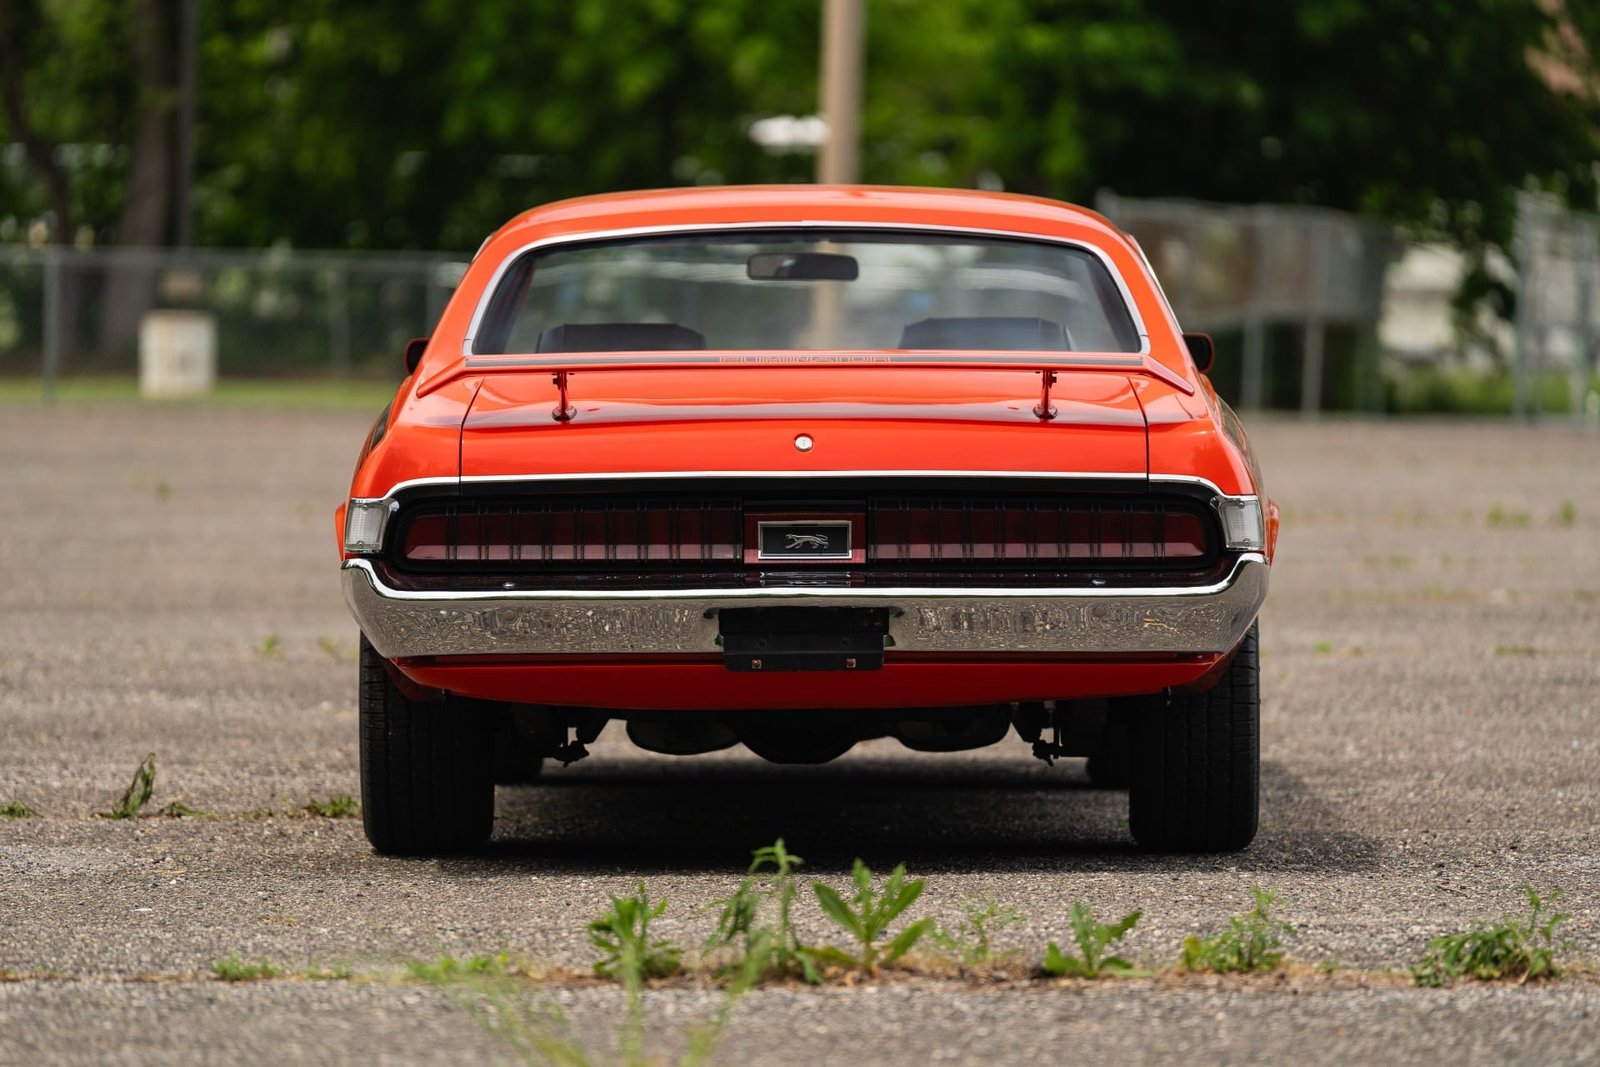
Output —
(706, 418)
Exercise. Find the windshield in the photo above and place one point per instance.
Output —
(807, 290)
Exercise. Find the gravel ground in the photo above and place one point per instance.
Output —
(1431, 654)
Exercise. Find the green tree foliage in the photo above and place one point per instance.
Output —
(424, 124)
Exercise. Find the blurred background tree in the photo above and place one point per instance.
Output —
(421, 125)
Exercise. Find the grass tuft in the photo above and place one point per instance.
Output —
(867, 916)
(343, 806)
(971, 941)
(1094, 940)
(177, 809)
(17, 810)
(233, 969)
(137, 795)
(1499, 516)
(1251, 942)
(759, 947)
(1513, 948)
(447, 968)
(622, 935)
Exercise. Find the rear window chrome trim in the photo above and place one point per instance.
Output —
(482, 361)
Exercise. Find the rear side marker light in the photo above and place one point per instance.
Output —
(1242, 525)
(364, 523)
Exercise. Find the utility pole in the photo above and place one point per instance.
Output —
(843, 46)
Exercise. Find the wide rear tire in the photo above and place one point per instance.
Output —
(427, 784)
(1195, 773)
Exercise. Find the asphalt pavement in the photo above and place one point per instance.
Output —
(1431, 699)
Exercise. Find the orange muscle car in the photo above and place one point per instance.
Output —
(799, 466)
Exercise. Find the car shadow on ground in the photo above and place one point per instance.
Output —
(936, 814)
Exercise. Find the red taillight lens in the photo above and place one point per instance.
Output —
(1074, 534)
(1111, 534)
(575, 535)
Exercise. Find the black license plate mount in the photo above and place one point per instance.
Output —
(803, 638)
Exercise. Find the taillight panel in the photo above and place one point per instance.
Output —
(1085, 532)
(565, 532)
(611, 534)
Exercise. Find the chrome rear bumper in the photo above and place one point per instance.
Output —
(1189, 619)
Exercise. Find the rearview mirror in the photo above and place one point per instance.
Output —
(1202, 349)
(414, 349)
(803, 267)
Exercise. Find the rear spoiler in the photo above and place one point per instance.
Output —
(562, 364)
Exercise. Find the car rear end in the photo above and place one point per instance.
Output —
(807, 543)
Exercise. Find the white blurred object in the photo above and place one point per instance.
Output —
(790, 133)
(177, 354)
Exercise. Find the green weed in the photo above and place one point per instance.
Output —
(137, 795)
(972, 939)
(17, 810)
(541, 1033)
(342, 806)
(623, 937)
(446, 968)
(1568, 514)
(767, 948)
(868, 915)
(1499, 516)
(1324, 647)
(257, 813)
(1512, 948)
(1251, 942)
(177, 809)
(270, 647)
(333, 649)
(1094, 939)
(233, 969)
(1515, 650)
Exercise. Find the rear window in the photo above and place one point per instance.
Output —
(807, 290)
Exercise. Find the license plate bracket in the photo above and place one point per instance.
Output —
(803, 639)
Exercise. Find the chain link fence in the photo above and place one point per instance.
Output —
(277, 313)
(1312, 309)
(1558, 310)
(1293, 295)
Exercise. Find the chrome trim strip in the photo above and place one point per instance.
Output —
(1189, 619)
(809, 224)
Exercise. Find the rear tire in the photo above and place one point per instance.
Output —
(426, 768)
(1196, 768)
